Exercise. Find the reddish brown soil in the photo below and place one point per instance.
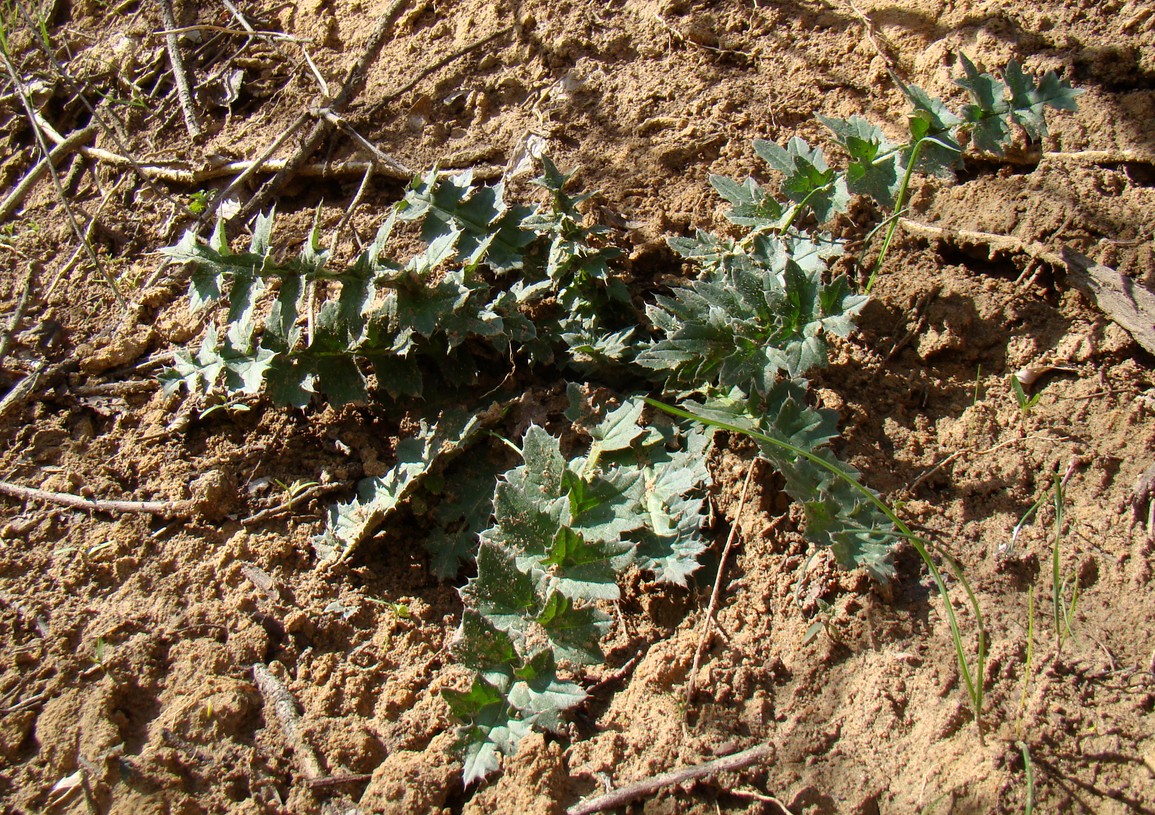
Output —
(131, 639)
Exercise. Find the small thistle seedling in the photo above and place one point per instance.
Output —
(1064, 587)
(822, 622)
(294, 489)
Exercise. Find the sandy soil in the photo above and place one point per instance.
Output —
(127, 684)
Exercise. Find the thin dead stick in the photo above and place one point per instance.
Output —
(18, 312)
(354, 83)
(384, 158)
(284, 706)
(708, 622)
(253, 167)
(240, 18)
(438, 65)
(180, 78)
(113, 131)
(349, 210)
(185, 176)
(993, 242)
(164, 509)
(339, 780)
(218, 29)
(624, 795)
(1129, 305)
(1089, 157)
(296, 500)
(70, 145)
(34, 120)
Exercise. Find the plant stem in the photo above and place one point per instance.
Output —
(899, 203)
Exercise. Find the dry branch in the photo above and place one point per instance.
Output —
(354, 83)
(66, 147)
(165, 509)
(18, 312)
(993, 242)
(624, 795)
(284, 706)
(438, 65)
(180, 78)
(180, 173)
(296, 500)
(34, 120)
(1127, 303)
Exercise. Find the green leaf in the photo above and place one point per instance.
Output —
(753, 207)
(573, 632)
(808, 181)
(756, 318)
(482, 644)
(1028, 100)
(501, 592)
(544, 464)
(351, 523)
(540, 695)
(987, 115)
(464, 510)
(619, 430)
(931, 130)
(576, 568)
(875, 167)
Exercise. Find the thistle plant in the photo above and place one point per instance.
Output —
(502, 288)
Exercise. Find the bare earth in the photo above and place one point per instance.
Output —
(130, 640)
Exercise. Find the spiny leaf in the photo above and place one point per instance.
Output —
(931, 130)
(573, 632)
(757, 318)
(753, 206)
(503, 594)
(350, 524)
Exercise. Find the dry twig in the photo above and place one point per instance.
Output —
(165, 509)
(624, 795)
(284, 706)
(34, 121)
(68, 146)
(18, 312)
(296, 500)
(180, 78)
(354, 83)
(437, 66)
(993, 242)
(1127, 303)
(708, 622)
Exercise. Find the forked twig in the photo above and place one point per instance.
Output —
(284, 706)
(624, 795)
(708, 621)
(354, 83)
(180, 78)
(164, 509)
(287, 506)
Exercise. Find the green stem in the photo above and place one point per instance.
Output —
(899, 203)
(973, 681)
